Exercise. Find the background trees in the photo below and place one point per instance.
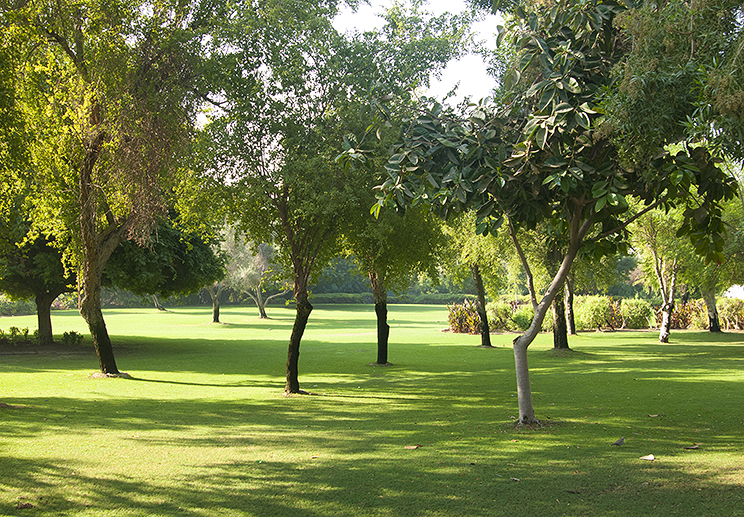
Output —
(547, 156)
(107, 94)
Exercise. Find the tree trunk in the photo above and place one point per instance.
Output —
(157, 303)
(44, 317)
(293, 355)
(214, 292)
(714, 324)
(484, 328)
(260, 304)
(90, 310)
(570, 318)
(666, 321)
(560, 330)
(383, 329)
(524, 391)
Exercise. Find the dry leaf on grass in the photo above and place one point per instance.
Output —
(412, 446)
(650, 457)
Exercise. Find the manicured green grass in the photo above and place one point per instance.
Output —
(203, 429)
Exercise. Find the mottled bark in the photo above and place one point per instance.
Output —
(485, 330)
(666, 321)
(383, 329)
(714, 324)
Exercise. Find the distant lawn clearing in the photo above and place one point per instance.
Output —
(203, 429)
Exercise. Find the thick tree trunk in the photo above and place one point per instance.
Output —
(570, 318)
(560, 330)
(293, 355)
(90, 310)
(383, 329)
(484, 329)
(714, 324)
(44, 317)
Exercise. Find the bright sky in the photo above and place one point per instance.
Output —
(470, 71)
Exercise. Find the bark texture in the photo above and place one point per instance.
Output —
(560, 329)
(484, 329)
(570, 317)
(44, 317)
(714, 323)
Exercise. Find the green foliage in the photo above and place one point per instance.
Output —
(731, 313)
(72, 338)
(463, 317)
(689, 315)
(10, 307)
(523, 316)
(500, 315)
(636, 313)
(594, 312)
(17, 337)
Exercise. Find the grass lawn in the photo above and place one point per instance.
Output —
(203, 429)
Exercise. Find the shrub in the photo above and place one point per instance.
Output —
(17, 336)
(523, 317)
(731, 313)
(594, 312)
(10, 307)
(636, 313)
(500, 315)
(463, 317)
(72, 338)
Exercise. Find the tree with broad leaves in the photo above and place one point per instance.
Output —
(107, 90)
(548, 156)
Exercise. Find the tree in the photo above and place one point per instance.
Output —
(173, 262)
(32, 268)
(389, 65)
(664, 255)
(249, 266)
(107, 89)
(282, 84)
(546, 156)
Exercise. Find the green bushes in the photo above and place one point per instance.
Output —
(17, 337)
(636, 313)
(731, 313)
(16, 307)
(595, 313)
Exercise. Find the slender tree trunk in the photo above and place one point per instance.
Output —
(44, 317)
(293, 355)
(383, 329)
(524, 390)
(667, 294)
(525, 265)
(570, 318)
(666, 321)
(157, 303)
(560, 330)
(482, 314)
(714, 324)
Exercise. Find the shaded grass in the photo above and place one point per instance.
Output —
(203, 429)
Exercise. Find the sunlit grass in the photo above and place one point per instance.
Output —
(203, 427)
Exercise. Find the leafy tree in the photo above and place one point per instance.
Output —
(249, 267)
(547, 156)
(107, 93)
(389, 64)
(31, 267)
(173, 262)
(283, 83)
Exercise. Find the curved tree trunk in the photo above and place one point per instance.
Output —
(90, 310)
(714, 324)
(298, 329)
(485, 331)
(383, 329)
(260, 304)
